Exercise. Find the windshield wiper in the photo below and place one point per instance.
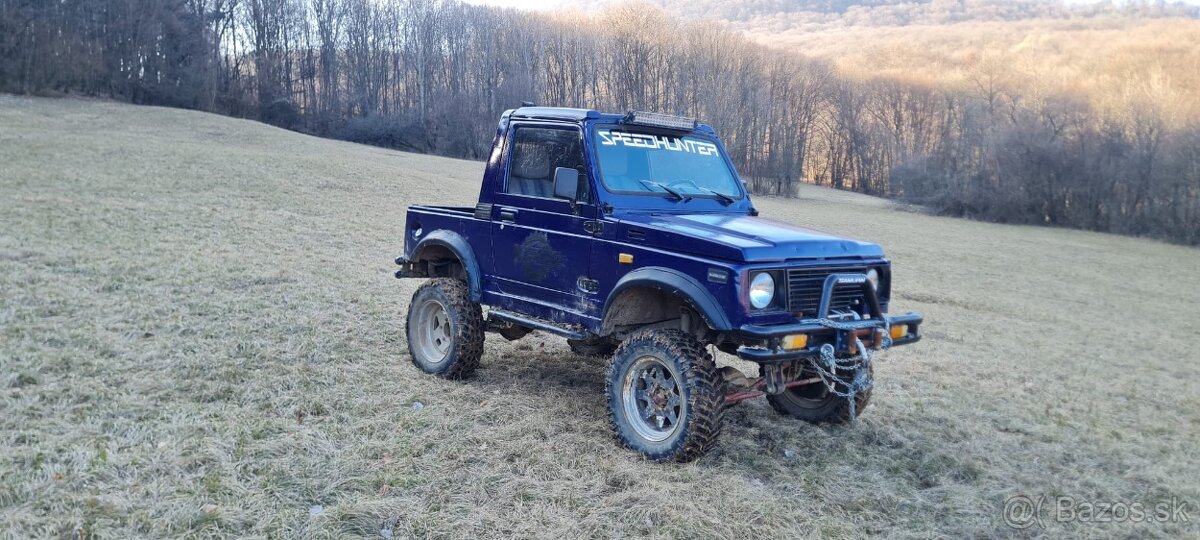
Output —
(728, 199)
(674, 192)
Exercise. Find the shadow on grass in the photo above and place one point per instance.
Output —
(571, 386)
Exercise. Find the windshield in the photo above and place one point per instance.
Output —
(681, 167)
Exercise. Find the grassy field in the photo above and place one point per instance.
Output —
(200, 336)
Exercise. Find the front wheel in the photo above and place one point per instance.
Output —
(815, 404)
(445, 329)
(664, 396)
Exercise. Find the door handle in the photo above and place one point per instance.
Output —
(508, 214)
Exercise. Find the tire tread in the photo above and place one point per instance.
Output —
(467, 319)
(705, 396)
(837, 412)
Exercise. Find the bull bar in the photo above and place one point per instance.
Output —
(872, 331)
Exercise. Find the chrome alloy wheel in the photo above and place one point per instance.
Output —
(652, 399)
(432, 333)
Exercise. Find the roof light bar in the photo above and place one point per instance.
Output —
(668, 121)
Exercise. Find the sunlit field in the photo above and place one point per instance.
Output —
(200, 336)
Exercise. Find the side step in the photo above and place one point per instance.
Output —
(535, 324)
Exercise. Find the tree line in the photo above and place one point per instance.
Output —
(433, 76)
(764, 14)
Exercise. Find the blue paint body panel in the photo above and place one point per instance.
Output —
(742, 238)
(557, 261)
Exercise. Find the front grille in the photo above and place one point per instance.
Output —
(805, 284)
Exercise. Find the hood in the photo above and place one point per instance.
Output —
(738, 238)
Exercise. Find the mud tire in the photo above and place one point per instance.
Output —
(466, 327)
(815, 404)
(700, 388)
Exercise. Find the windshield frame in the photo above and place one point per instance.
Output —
(741, 194)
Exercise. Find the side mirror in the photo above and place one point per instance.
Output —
(566, 183)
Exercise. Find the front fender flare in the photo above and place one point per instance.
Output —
(461, 249)
(677, 283)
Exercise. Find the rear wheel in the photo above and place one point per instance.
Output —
(445, 329)
(665, 396)
(814, 403)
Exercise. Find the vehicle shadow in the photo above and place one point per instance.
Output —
(542, 369)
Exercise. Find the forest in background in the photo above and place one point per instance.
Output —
(779, 15)
(972, 133)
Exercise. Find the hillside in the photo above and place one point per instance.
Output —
(200, 336)
(1110, 55)
(1112, 64)
(793, 13)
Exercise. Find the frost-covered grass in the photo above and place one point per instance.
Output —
(200, 336)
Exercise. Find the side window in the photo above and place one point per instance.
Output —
(536, 153)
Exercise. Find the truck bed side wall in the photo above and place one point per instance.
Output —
(462, 221)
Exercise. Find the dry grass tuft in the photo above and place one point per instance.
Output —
(200, 336)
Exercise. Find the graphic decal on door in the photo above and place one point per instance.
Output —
(536, 259)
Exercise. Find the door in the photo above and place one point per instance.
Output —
(541, 245)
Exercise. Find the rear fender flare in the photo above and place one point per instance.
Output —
(461, 249)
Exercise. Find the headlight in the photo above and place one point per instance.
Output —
(762, 290)
(873, 277)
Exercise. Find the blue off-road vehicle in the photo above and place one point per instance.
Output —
(632, 236)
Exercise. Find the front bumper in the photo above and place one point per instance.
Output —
(765, 343)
